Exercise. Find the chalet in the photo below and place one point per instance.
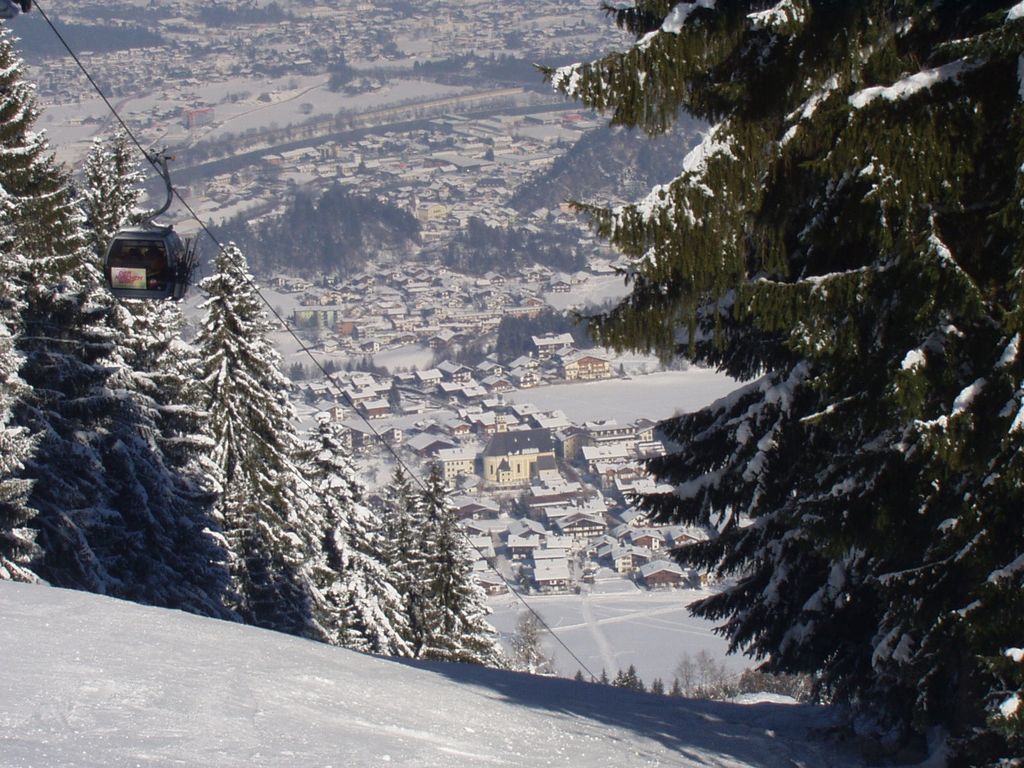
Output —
(460, 428)
(429, 378)
(626, 560)
(441, 339)
(581, 526)
(552, 575)
(524, 378)
(375, 409)
(497, 384)
(482, 547)
(662, 574)
(679, 535)
(611, 471)
(455, 372)
(523, 547)
(490, 368)
(467, 508)
(549, 344)
(427, 444)
(582, 366)
(653, 540)
(510, 458)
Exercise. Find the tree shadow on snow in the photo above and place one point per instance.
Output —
(762, 734)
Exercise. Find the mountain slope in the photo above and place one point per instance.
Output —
(91, 681)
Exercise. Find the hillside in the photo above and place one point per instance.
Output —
(610, 164)
(91, 681)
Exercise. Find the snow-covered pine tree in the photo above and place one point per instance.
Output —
(157, 491)
(850, 231)
(454, 609)
(16, 540)
(110, 194)
(250, 423)
(356, 603)
(527, 651)
(57, 332)
(402, 552)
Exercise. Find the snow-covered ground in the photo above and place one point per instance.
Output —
(654, 396)
(614, 624)
(89, 681)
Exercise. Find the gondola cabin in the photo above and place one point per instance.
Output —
(146, 263)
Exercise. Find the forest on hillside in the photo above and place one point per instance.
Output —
(479, 248)
(333, 234)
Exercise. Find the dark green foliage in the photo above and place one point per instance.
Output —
(334, 234)
(452, 615)
(253, 441)
(479, 248)
(221, 16)
(629, 679)
(609, 164)
(861, 250)
(37, 41)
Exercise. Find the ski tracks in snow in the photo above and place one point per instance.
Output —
(603, 646)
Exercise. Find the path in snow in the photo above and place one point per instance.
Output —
(607, 654)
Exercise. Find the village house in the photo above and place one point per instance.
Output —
(456, 462)
(550, 344)
(510, 457)
(663, 574)
(375, 409)
(580, 526)
(583, 366)
(551, 575)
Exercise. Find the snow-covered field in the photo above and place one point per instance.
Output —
(654, 396)
(615, 625)
(93, 682)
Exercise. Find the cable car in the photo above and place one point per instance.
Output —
(146, 263)
(11, 8)
(149, 261)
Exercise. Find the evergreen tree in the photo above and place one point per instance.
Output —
(15, 539)
(629, 679)
(356, 603)
(157, 489)
(404, 555)
(250, 424)
(105, 519)
(454, 611)
(527, 652)
(850, 231)
(110, 193)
